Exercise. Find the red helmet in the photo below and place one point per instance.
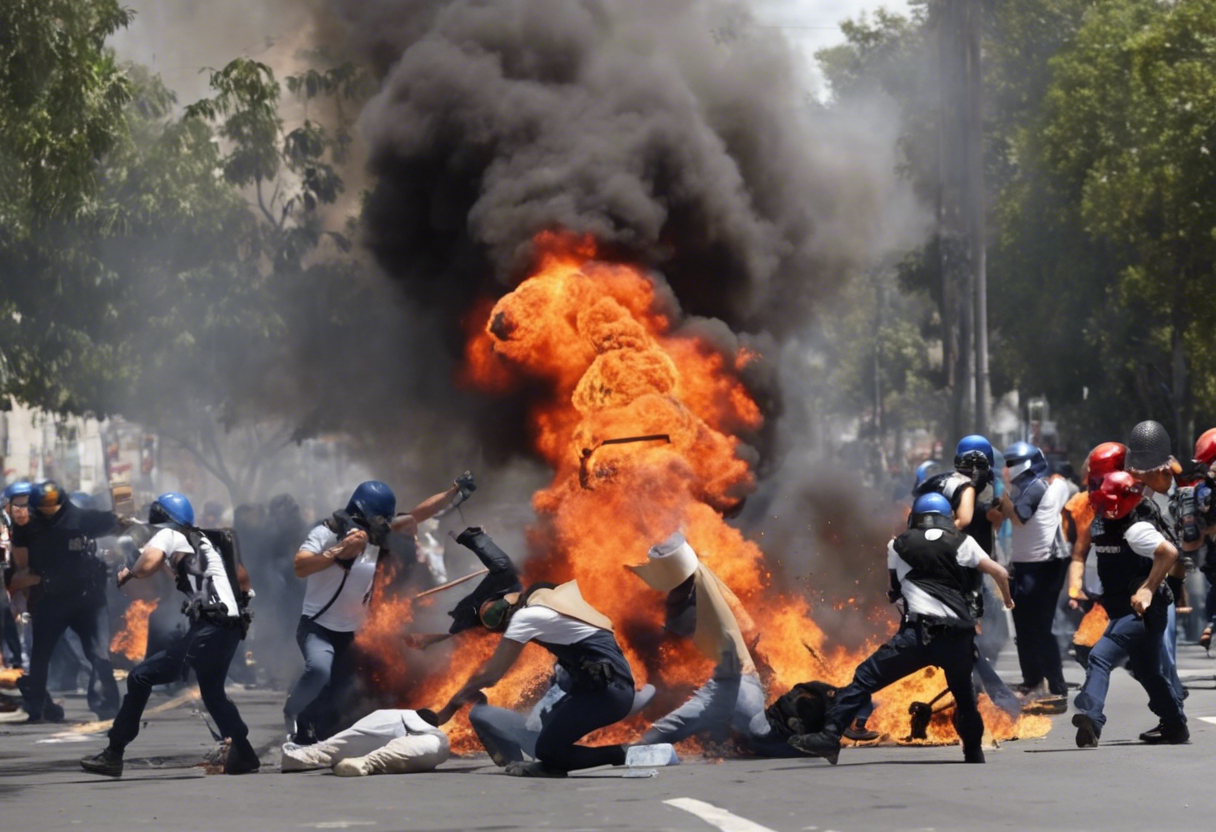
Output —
(1118, 494)
(1205, 448)
(1107, 457)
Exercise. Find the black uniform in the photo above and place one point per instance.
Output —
(72, 593)
(933, 552)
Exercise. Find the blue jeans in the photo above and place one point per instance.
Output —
(1169, 650)
(565, 718)
(324, 673)
(1141, 642)
(207, 649)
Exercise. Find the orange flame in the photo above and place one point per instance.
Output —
(1092, 626)
(599, 338)
(132, 640)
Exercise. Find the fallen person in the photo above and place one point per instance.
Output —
(597, 690)
(383, 742)
(700, 606)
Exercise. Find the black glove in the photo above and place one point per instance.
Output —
(464, 483)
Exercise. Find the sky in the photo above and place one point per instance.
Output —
(248, 28)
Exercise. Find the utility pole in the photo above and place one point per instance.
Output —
(961, 214)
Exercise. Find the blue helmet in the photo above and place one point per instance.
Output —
(1022, 457)
(372, 499)
(925, 470)
(932, 503)
(46, 494)
(171, 507)
(971, 450)
(18, 489)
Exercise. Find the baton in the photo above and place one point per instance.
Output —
(451, 584)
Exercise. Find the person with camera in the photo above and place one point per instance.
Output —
(1196, 509)
(209, 574)
(1134, 556)
(338, 563)
(55, 556)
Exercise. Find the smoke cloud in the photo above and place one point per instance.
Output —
(677, 132)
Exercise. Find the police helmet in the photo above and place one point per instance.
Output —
(171, 507)
(1022, 457)
(926, 470)
(372, 499)
(1148, 447)
(1205, 448)
(46, 497)
(21, 488)
(1107, 457)
(932, 503)
(974, 454)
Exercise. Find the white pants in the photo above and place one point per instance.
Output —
(383, 742)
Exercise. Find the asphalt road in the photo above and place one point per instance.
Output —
(1037, 784)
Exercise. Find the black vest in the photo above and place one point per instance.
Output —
(1120, 569)
(936, 570)
(592, 662)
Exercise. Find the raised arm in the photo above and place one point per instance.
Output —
(307, 562)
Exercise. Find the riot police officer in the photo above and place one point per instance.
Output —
(210, 577)
(55, 554)
(930, 568)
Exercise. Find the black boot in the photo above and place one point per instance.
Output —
(1153, 735)
(824, 744)
(242, 759)
(858, 732)
(108, 762)
(1168, 735)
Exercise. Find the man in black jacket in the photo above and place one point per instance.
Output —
(56, 555)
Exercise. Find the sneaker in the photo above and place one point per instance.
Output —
(650, 756)
(108, 762)
(1088, 731)
(533, 769)
(242, 759)
(857, 732)
(823, 745)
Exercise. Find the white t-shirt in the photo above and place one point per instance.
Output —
(917, 600)
(1143, 538)
(347, 613)
(547, 625)
(171, 541)
(1032, 541)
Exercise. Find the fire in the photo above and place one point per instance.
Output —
(643, 425)
(1092, 626)
(132, 640)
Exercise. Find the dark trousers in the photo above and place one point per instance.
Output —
(1036, 591)
(207, 649)
(10, 630)
(311, 703)
(1140, 642)
(953, 650)
(88, 617)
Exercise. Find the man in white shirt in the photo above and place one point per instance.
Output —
(338, 561)
(1039, 556)
(931, 567)
(213, 586)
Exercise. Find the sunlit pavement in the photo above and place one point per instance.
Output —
(1037, 784)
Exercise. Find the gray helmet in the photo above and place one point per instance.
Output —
(1148, 447)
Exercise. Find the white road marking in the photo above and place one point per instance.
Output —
(1208, 719)
(714, 816)
(339, 824)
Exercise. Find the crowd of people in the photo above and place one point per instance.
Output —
(1124, 540)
